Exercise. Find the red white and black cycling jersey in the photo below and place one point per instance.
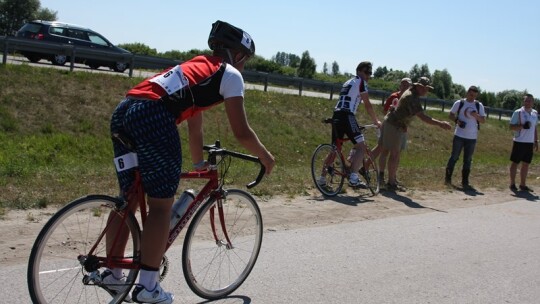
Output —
(349, 97)
(192, 86)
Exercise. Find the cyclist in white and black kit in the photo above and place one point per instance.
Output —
(353, 93)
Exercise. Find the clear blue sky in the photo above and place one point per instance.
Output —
(493, 44)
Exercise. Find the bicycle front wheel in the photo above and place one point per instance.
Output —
(222, 244)
(370, 173)
(327, 170)
(60, 268)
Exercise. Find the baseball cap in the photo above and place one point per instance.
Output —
(424, 81)
(406, 79)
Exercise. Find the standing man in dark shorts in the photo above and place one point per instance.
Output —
(523, 123)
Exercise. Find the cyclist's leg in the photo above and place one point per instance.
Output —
(158, 149)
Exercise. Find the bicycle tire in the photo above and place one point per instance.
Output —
(334, 173)
(212, 269)
(55, 274)
(371, 175)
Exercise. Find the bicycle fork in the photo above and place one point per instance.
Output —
(225, 241)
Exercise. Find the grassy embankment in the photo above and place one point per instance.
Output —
(55, 143)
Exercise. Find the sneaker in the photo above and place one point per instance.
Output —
(357, 184)
(513, 187)
(354, 181)
(113, 285)
(525, 188)
(158, 295)
(395, 187)
(321, 181)
(468, 187)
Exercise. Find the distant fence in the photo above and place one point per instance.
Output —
(12, 44)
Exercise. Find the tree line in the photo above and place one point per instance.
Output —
(14, 13)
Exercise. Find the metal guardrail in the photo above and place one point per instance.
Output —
(11, 44)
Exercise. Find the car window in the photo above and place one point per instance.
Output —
(97, 39)
(30, 27)
(77, 34)
(57, 31)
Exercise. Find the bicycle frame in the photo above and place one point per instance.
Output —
(212, 188)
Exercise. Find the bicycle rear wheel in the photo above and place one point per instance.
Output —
(213, 266)
(60, 269)
(327, 170)
(370, 173)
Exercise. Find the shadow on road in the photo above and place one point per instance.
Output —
(230, 299)
(406, 200)
(526, 195)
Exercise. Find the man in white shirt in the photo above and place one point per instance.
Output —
(523, 123)
(468, 113)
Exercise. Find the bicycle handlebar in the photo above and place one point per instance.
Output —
(216, 149)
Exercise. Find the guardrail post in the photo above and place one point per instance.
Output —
(442, 106)
(131, 61)
(300, 86)
(331, 92)
(266, 83)
(6, 46)
(72, 60)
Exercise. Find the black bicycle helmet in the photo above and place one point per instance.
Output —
(224, 35)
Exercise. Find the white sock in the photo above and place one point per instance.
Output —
(148, 279)
(117, 273)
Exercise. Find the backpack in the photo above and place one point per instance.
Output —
(476, 103)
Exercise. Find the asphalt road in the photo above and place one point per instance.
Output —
(485, 254)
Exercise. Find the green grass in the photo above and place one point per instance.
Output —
(55, 143)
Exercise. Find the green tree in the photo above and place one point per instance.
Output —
(510, 99)
(139, 48)
(45, 14)
(325, 68)
(395, 76)
(15, 13)
(419, 71)
(488, 99)
(380, 72)
(307, 66)
(442, 83)
(335, 68)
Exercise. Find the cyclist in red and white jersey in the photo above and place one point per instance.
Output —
(149, 116)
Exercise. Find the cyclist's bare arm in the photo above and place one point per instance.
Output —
(369, 108)
(234, 107)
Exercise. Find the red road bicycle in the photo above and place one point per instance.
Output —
(220, 247)
(329, 167)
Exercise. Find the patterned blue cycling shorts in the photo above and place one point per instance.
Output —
(153, 130)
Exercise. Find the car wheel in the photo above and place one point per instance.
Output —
(59, 59)
(120, 67)
(33, 58)
(94, 66)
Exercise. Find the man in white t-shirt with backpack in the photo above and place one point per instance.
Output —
(523, 123)
(468, 113)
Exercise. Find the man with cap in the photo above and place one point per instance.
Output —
(468, 113)
(390, 105)
(397, 122)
